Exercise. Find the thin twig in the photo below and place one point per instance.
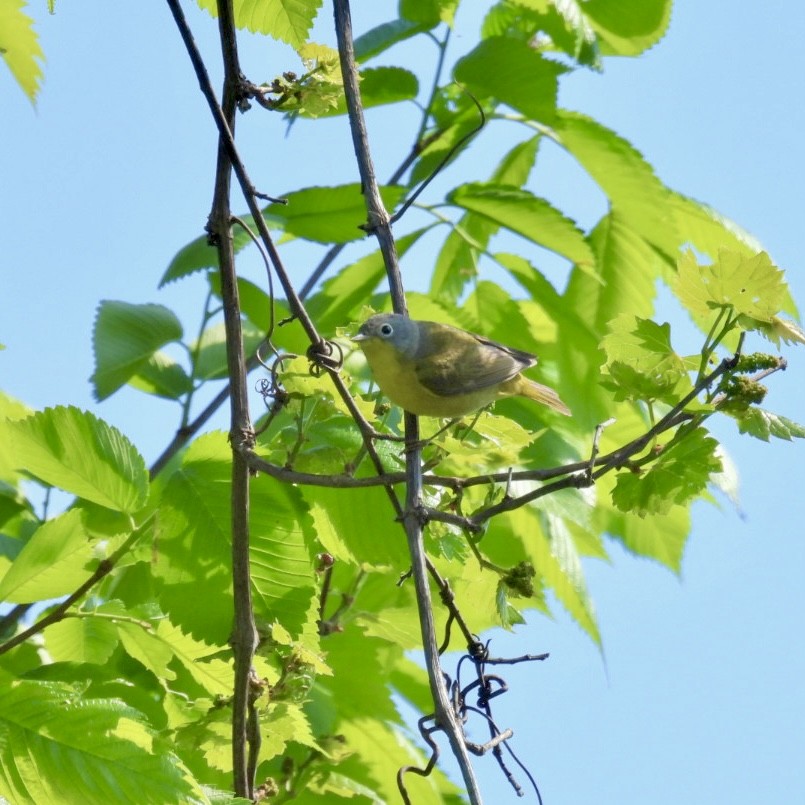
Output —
(244, 633)
(105, 567)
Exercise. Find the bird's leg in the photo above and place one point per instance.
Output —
(470, 427)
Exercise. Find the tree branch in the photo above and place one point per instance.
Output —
(105, 567)
(379, 224)
(244, 637)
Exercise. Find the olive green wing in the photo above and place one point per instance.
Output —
(450, 361)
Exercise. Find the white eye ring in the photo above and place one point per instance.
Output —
(386, 330)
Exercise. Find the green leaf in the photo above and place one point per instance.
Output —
(287, 20)
(210, 351)
(763, 424)
(641, 200)
(513, 73)
(58, 747)
(628, 27)
(81, 639)
(641, 364)
(214, 675)
(57, 559)
(534, 218)
(752, 286)
(457, 259)
(162, 377)
(379, 86)
(195, 540)
(329, 214)
(19, 47)
(282, 573)
(628, 268)
(559, 27)
(198, 255)
(661, 537)
(556, 559)
(195, 528)
(384, 36)
(124, 338)
(341, 296)
(77, 452)
(508, 614)
(545, 295)
(384, 85)
(681, 473)
(364, 522)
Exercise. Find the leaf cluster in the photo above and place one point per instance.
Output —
(133, 581)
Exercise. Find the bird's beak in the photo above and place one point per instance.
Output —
(359, 337)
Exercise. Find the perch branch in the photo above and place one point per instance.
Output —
(379, 225)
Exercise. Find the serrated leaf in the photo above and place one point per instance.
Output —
(641, 363)
(628, 27)
(641, 200)
(287, 20)
(162, 377)
(661, 537)
(19, 47)
(514, 73)
(57, 559)
(214, 675)
(145, 647)
(364, 522)
(198, 255)
(286, 723)
(763, 424)
(507, 614)
(329, 214)
(383, 36)
(752, 286)
(457, 259)
(283, 585)
(210, 350)
(534, 218)
(77, 452)
(195, 545)
(81, 639)
(379, 86)
(125, 336)
(57, 747)
(560, 26)
(681, 472)
(194, 533)
(779, 329)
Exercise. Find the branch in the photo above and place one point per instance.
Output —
(104, 568)
(379, 224)
(244, 637)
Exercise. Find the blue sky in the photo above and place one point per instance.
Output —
(700, 697)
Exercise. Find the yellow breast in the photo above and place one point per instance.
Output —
(397, 378)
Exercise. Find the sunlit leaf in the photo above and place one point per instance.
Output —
(124, 338)
(680, 473)
(513, 73)
(77, 452)
(287, 20)
(19, 47)
(58, 747)
(534, 218)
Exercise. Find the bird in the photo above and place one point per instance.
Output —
(432, 369)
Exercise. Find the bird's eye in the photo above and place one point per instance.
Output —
(386, 330)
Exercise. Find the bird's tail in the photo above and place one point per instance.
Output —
(542, 394)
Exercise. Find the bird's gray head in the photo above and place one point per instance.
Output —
(400, 331)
